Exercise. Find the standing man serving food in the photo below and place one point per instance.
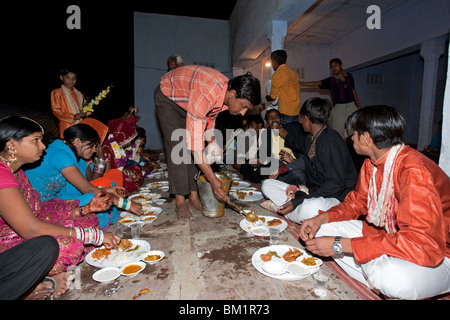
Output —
(191, 98)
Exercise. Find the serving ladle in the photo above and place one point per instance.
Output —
(249, 216)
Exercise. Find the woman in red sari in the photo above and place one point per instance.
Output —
(120, 147)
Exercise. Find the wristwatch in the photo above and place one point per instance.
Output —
(337, 246)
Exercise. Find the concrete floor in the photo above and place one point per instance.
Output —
(206, 259)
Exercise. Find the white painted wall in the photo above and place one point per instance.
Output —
(250, 24)
(403, 29)
(400, 86)
(159, 36)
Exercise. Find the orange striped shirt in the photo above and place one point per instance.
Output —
(201, 92)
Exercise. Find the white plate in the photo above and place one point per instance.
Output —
(160, 202)
(157, 184)
(106, 274)
(153, 252)
(139, 263)
(136, 218)
(142, 197)
(260, 231)
(247, 225)
(148, 219)
(126, 221)
(239, 184)
(158, 173)
(156, 210)
(250, 195)
(280, 250)
(132, 256)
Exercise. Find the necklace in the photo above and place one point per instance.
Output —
(312, 149)
(7, 162)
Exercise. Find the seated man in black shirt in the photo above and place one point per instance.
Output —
(329, 168)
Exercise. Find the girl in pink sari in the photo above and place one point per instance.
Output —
(24, 217)
(55, 211)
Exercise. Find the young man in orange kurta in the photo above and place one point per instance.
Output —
(403, 246)
(67, 101)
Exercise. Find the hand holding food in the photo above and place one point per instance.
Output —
(110, 240)
(136, 208)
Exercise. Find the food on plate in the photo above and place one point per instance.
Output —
(292, 254)
(274, 222)
(235, 183)
(134, 249)
(158, 184)
(101, 253)
(262, 219)
(152, 257)
(124, 244)
(120, 259)
(149, 218)
(273, 254)
(150, 213)
(309, 261)
(265, 257)
(241, 195)
(132, 268)
(126, 220)
(139, 199)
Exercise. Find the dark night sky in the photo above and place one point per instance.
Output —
(36, 43)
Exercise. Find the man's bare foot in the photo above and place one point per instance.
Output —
(195, 203)
(183, 212)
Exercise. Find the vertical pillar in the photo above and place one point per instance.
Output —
(444, 161)
(431, 52)
(277, 34)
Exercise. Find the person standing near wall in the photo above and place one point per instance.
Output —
(285, 87)
(343, 94)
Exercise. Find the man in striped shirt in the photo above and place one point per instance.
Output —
(190, 98)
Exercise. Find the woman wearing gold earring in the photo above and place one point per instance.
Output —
(20, 212)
